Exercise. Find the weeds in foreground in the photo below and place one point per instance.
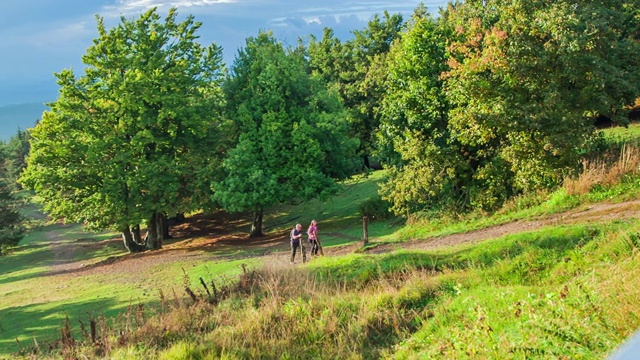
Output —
(600, 172)
(579, 302)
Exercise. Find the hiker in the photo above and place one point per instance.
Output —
(296, 242)
(313, 238)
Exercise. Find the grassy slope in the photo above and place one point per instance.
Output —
(338, 218)
(560, 292)
(35, 304)
(630, 134)
(548, 292)
(27, 287)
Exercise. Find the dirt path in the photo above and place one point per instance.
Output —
(204, 239)
(594, 213)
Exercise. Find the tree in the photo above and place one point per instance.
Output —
(508, 105)
(138, 136)
(528, 79)
(11, 222)
(17, 150)
(291, 134)
(356, 69)
(413, 139)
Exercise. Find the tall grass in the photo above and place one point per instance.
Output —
(600, 172)
(567, 292)
(560, 292)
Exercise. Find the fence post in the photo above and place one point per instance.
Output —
(365, 231)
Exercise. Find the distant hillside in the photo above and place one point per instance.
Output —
(19, 116)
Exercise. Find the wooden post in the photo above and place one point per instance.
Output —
(365, 231)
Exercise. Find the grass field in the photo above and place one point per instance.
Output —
(569, 288)
(36, 299)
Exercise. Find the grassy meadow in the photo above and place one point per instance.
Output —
(569, 289)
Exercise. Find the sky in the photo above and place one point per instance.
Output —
(41, 37)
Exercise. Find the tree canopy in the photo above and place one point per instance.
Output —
(292, 137)
(136, 137)
(498, 98)
(356, 70)
(489, 100)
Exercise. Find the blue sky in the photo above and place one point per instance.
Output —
(40, 37)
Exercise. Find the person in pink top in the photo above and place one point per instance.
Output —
(313, 237)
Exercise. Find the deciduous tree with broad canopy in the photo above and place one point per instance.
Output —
(137, 136)
(499, 98)
(355, 68)
(292, 133)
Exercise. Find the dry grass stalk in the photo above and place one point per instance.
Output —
(600, 172)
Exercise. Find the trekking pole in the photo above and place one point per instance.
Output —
(319, 245)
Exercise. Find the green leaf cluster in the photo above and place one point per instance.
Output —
(356, 69)
(11, 222)
(292, 139)
(499, 98)
(138, 133)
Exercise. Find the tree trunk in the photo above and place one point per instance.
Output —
(128, 241)
(152, 242)
(166, 224)
(161, 227)
(180, 218)
(256, 225)
(137, 237)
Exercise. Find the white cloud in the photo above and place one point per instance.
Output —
(128, 6)
(201, 3)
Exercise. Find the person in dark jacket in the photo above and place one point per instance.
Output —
(296, 242)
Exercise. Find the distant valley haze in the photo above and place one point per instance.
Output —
(19, 117)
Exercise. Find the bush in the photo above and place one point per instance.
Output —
(375, 208)
(11, 222)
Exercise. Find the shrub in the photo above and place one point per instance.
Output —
(375, 208)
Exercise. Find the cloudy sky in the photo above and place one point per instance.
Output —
(40, 37)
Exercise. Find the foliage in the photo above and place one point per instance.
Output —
(356, 69)
(11, 222)
(292, 138)
(138, 134)
(513, 109)
(526, 82)
(15, 158)
(425, 165)
(375, 208)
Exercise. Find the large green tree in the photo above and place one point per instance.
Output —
(137, 136)
(356, 68)
(527, 81)
(413, 139)
(292, 137)
(500, 97)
